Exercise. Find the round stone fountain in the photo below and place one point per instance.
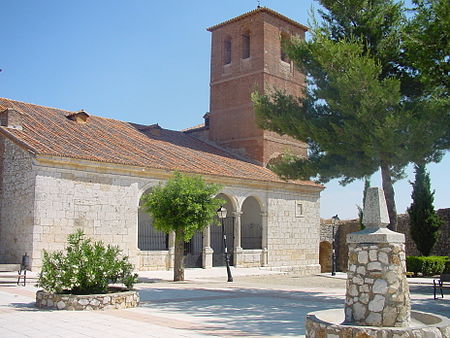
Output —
(377, 302)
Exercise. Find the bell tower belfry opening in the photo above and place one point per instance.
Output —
(246, 55)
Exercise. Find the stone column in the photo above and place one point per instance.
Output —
(171, 256)
(265, 239)
(377, 290)
(207, 250)
(238, 252)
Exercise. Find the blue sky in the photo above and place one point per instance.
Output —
(143, 61)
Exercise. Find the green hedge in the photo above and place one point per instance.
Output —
(447, 267)
(427, 265)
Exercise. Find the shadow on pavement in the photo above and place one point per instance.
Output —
(254, 311)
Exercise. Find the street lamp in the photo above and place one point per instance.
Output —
(334, 221)
(222, 214)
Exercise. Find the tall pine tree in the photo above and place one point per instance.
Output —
(361, 111)
(424, 222)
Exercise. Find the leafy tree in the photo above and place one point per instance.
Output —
(360, 111)
(427, 44)
(424, 222)
(185, 205)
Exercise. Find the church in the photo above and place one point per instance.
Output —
(66, 170)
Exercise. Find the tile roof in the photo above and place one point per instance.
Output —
(255, 11)
(49, 131)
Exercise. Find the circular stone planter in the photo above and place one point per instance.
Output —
(327, 323)
(104, 301)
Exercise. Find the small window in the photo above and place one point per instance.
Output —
(283, 55)
(246, 45)
(227, 51)
(298, 209)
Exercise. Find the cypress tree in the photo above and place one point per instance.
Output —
(424, 222)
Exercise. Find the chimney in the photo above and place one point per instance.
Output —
(11, 118)
(79, 116)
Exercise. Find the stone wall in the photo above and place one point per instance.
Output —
(51, 202)
(377, 290)
(293, 239)
(117, 300)
(104, 206)
(441, 248)
(16, 202)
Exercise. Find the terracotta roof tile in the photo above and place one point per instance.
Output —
(255, 11)
(48, 131)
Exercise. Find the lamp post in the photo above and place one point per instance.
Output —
(334, 221)
(222, 214)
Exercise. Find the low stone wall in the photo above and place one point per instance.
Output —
(322, 324)
(117, 300)
(251, 258)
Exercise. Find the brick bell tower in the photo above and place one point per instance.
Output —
(247, 56)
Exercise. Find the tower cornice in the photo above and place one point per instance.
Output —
(254, 12)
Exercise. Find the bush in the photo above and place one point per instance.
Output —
(87, 267)
(447, 267)
(426, 265)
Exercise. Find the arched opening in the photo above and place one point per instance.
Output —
(246, 44)
(227, 50)
(251, 224)
(217, 235)
(148, 237)
(325, 253)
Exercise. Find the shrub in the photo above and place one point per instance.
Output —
(86, 267)
(447, 267)
(427, 266)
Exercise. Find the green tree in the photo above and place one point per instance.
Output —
(185, 205)
(424, 222)
(359, 112)
(427, 44)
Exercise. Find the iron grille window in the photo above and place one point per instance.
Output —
(148, 237)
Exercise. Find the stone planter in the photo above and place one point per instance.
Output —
(114, 300)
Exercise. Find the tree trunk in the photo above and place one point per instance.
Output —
(389, 195)
(178, 268)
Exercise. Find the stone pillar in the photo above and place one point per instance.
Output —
(377, 290)
(265, 240)
(207, 252)
(238, 252)
(171, 256)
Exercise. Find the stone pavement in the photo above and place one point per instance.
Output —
(259, 303)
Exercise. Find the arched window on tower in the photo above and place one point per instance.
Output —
(227, 51)
(246, 44)
(283, 55)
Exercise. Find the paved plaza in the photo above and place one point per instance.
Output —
(259, 303)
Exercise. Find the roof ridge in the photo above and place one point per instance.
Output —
(65, 110)
(258, 10)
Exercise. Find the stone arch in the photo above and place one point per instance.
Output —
(149, 238)
(251, 223)
(217, 234)
(231, 202)
(325, 256)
